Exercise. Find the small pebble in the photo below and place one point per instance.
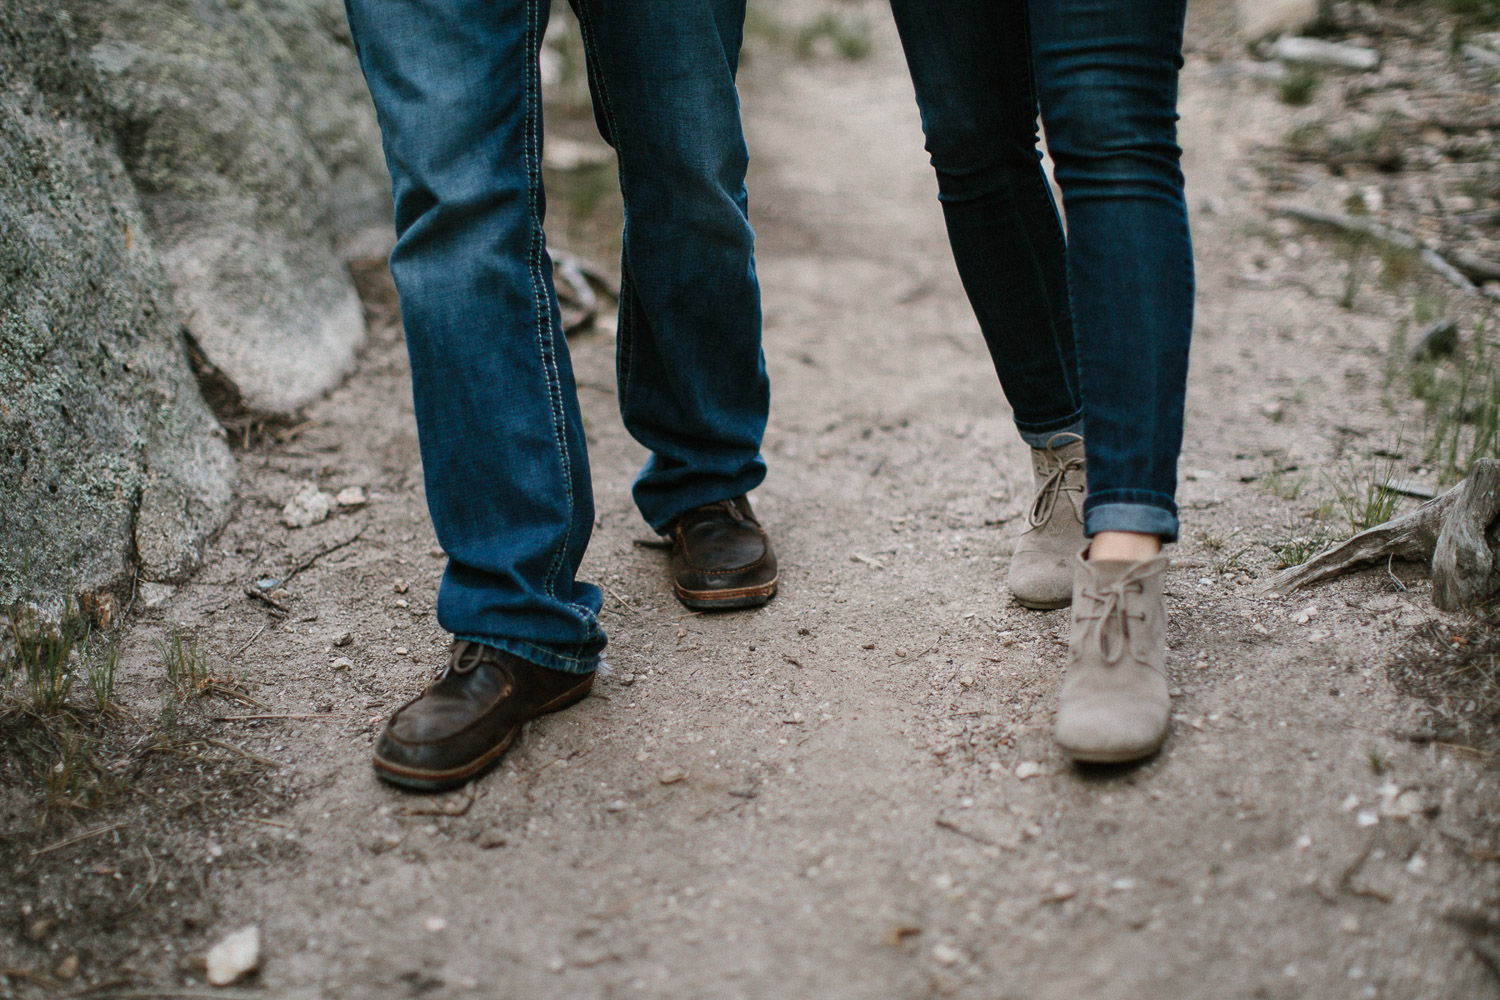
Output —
(672, 775)
(67, 969)
(342, 663)
(435, 925)
(1061, 892)
(343, 639)
(1028, 769)
(1367, 817)
(351, 496)
(235, 956)
(946, 954)
(400, 586)
(491, 839)
(401, 650)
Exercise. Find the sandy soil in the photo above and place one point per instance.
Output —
(852, 823)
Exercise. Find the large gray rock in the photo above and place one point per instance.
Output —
(251, 140)
(110, 462)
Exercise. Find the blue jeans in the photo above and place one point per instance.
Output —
(458, 95)
(1088, 335)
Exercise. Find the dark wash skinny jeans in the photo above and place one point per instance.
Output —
(1114, 365)
(458, 94)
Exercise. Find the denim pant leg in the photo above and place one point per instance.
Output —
(970, 64)
(457, 92)
(1107, 79)
(692, 378)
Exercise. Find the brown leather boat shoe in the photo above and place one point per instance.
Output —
(469, 716)
(721, 557)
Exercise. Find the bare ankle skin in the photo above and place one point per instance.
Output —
(1123, 546)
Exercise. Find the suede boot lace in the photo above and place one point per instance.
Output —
(1052, 488)
(1107, 622)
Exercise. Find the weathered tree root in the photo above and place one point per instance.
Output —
(1454, 532)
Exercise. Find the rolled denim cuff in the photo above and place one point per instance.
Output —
(1040, 435)
(570, 660)
(1140, 518)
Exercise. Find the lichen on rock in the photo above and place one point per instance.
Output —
(110, 462)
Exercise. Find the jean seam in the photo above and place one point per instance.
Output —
(624, 333)
(1038, 177)
(546, 343)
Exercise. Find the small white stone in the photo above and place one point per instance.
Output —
(1028, 769)
(351, 496)
(556, 964)
(342, 663)
(1303, 842)
(1350, 803)
(946, 954)
(310, 506)
(1367, 817)
(233, 957)
(1417, 865)
(434, 925)
(1061, 892)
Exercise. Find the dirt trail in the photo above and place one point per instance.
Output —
(851, 823)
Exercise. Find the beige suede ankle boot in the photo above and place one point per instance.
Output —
(1041, 568)
(1114, 705)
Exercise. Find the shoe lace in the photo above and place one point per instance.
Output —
(1054, 486)
(1106, 624)
(466, 657)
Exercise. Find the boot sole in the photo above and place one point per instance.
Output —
(424, 780)
(1042, 605)
(726, 600)
(1118, 757)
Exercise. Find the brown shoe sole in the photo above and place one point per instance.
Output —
(726, 600)
(424, 780)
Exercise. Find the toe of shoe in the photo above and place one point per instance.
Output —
(1041, 582)
(1105, 731)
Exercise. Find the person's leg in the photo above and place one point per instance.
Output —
(1107, 73)
(692, 378)
(456, 88)
(971, 70)
(970, 64)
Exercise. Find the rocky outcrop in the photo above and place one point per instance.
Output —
(110, 462)
(252, 143)
(180, 184)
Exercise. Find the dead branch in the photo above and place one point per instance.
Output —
(1377, 231)
(1450, 532)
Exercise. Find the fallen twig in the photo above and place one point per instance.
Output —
(1450, 532)
(948, 824)
(1377, 231)
(307, 563)
(284, 715)
(242, 752)
(246, 646)
(276, 606)
(79, 838)
(446, 809)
